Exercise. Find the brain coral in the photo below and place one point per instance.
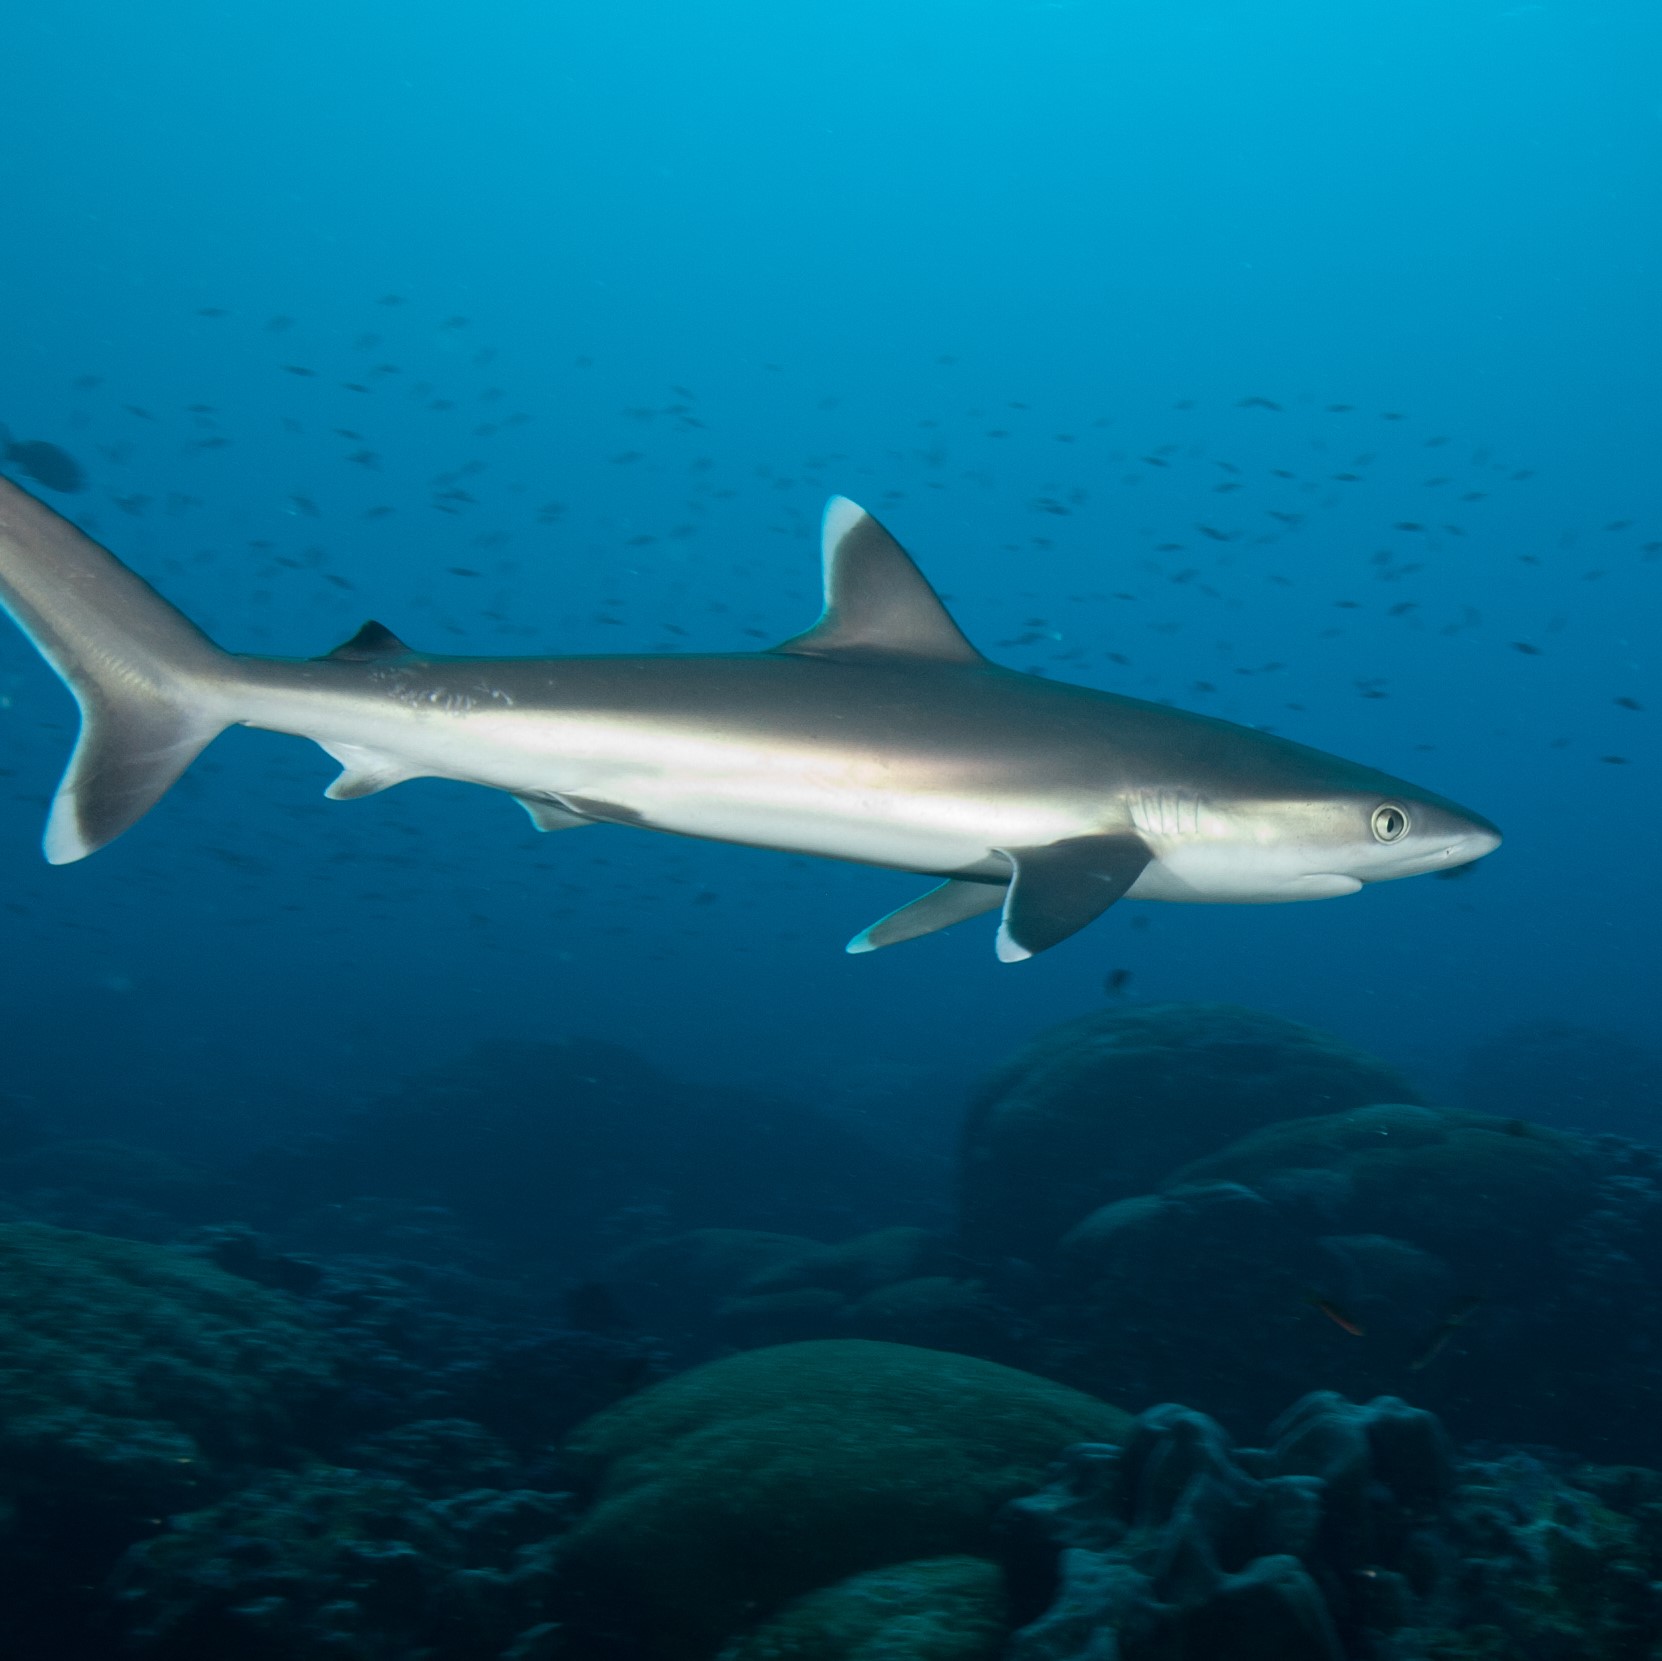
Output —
(725, 1492)
(1106, 1107)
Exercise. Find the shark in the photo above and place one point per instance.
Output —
(879, 735)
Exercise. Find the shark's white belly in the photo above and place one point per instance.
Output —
(837, 804)
(835, 812)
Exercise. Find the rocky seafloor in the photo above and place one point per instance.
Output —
(1217, 1342)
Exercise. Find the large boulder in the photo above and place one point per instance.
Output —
(1107, 1107)
(720, 1495)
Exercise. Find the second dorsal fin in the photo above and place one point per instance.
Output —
(877, 602)
(370, 644)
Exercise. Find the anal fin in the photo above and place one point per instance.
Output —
(364, 772)
(1058, 888)
(550, 816)
(953, 902)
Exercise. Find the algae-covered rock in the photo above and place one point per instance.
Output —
(723, 1493)
(941, 1609)
(131, 1373)
(1107, 1107)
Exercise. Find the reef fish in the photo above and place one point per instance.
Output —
(1337, 1316)
(880, 735)
(45, 463)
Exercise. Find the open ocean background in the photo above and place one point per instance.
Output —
(1292, 362)
(896, 252)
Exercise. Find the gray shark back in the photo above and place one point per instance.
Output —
(879, 735)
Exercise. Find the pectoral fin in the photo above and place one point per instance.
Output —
(1059, 888)
(940, 908)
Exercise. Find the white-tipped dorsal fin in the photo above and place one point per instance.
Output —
(877, 602)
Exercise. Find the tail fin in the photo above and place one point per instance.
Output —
(149, 683)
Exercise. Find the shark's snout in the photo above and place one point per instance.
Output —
(1454, 839)
(1478, 841)
(1466, 836)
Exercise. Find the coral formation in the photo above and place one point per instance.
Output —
(1502, 1273)
(1108, 1106)
(350, 1563)
(1353, 1535)
(1488, 1195)
(135, 1380)
(340, 1434)
(939, 1609)
(723, 1493)
(141, 1374)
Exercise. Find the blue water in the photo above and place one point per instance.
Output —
(1293, 362)
(948, 259)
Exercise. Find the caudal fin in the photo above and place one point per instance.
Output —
(150, 684)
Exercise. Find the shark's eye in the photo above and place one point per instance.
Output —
(1390, 822)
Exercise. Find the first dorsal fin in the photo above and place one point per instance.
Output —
(371, 643)
(877, 602)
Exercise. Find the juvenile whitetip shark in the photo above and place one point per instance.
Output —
(880, 736)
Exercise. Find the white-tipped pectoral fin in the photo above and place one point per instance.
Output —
(953, 902)
(1058, 888)
(1009, 951)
